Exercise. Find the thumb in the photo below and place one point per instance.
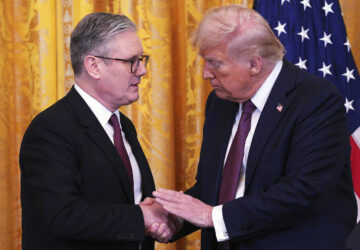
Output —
(148, 201)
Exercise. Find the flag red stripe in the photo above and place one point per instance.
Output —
(355, 166)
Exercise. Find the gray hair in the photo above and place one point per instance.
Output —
(244, 30)
(93, 32)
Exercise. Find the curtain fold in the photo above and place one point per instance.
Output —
(35, 72)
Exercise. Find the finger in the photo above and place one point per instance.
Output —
(167, 203)
(170, 196)
(162, 229)
(175, 195)
(160, 201)
(165, 236)
(169, 192)
(148, 201)
(164, 196)
(176, 210)
(179, 209)
(161, 234)
(163, 204)
(153, 229)
(171, 203)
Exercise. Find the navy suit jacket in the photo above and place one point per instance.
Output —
(75, 192)
(353, 242)
(298, 187)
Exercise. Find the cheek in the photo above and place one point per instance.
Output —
(122, 83)
(230, 83)
(227, 77)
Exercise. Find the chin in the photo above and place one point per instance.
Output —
(134, 98)
(128, 100)
(223, 95)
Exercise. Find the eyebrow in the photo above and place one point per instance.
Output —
(213, 59)
(130, 58)
(136, 56)
(133, 57)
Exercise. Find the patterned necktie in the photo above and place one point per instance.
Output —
(232, 168)
(120, 147)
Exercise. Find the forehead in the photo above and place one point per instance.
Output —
(126, 45)
(218, 53)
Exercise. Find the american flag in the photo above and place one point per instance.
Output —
(314, 35)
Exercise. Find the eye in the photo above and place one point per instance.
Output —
(134, 58)
(215, 64)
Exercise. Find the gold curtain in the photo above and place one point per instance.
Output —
(35, 71)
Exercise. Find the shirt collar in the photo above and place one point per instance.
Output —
(100, 111)
(262, 94)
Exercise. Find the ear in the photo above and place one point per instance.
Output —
(92, 67)
(256, 64)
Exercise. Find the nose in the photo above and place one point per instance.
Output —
(141, 70)
(207, 74)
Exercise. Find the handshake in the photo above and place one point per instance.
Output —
(163, 215)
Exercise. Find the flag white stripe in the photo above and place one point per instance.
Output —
(358, 205)
(356, 136)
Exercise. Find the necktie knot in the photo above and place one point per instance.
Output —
(114, 121)
(248, 107)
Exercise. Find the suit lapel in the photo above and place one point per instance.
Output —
(274, 109)
(96, 132)
(130, 133)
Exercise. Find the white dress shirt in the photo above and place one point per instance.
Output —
(259, 100)
(103, 115)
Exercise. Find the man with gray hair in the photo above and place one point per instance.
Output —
(84, 175)
(274, 169)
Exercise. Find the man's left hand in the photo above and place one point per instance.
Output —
(190, 209)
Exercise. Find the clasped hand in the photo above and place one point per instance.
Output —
(185, 206)
(159, 223)
(161, 214)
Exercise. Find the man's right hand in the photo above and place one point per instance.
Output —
(159, 224)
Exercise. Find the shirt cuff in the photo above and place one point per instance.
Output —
(219, 224)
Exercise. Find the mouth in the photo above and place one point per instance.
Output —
(216, 87)
(135, 84)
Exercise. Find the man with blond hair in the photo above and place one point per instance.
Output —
(274, 169)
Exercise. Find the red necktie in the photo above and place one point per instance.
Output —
(232, 168)
(120, 147)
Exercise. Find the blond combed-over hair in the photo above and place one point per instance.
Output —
(244, 30)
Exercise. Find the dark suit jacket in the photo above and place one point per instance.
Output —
(298, 188)
(353, 242)
(75, 193)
